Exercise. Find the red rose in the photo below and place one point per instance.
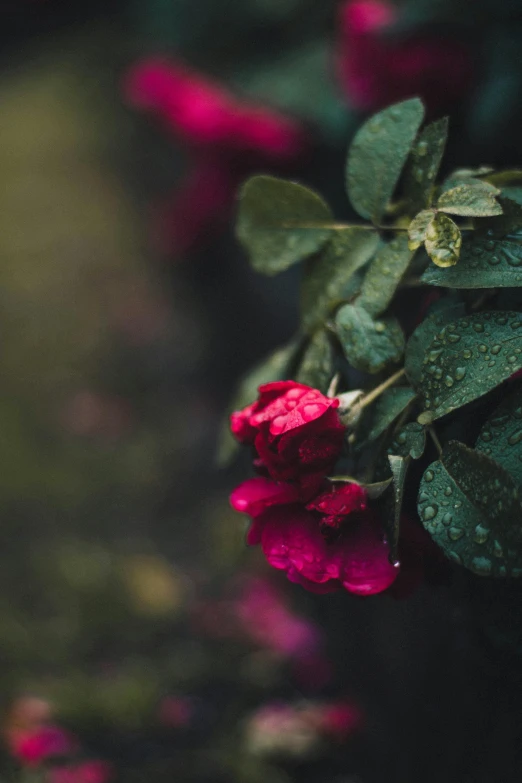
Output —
(296, 432)
(376, 67)
(292, 537)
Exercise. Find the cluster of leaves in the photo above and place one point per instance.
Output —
(428, 334)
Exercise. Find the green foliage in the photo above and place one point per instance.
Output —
(369, 345)
(377, 156)
(279, 223)
(467, 359)
(399, 469)
(443, 240)
(419, 341)
(317, 363)
(471, 200)
(386, 409)
(471, 507)
(484, 263)
(410, 441)
(501, 436)
(366, 288)
(384, 275)
(424, 164)
(328, 279)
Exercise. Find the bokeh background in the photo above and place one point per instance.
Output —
(139, 639)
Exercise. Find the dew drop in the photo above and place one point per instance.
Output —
(481, 566)
(490, 245)
(429, 475)
(515, 438)
(455, 533)
(481, 534)
(448, 380)
(453, 338)
(467, 354)
(429, 513)
(460, 372)
(497, 549)
(478, 327)
(448, 491)
(447, 519)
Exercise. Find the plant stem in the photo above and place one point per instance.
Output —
(435, 440)
(374, 394)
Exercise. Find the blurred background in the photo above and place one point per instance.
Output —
(139, 639)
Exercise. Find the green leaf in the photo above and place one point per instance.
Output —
(466, 177)
(274, 368)
(385, 410)
(471, 200)
(501, 436)
(410, 441)
(423, 335)
(471, 507)
(328, 278)
(272, 219)
(369, 345)
(484, 263)
(467, 359)
(418, 228)
(374, 490)
(384, 275)
(443, 241)
(317, 364)
(508, 222)
(399, 468)
(426, 157)
(377, 156)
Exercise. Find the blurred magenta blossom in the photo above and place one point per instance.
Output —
(375, 67)
(227, 137)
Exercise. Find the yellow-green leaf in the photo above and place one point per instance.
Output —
(418, 228)
(443, 241)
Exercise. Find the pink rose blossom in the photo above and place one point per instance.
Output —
(376, 68)
(357, 559)
(296, 432)
(202, 112)
(33, 747)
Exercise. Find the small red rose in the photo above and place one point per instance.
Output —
(296, 432)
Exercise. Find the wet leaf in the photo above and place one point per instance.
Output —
(467, 177)
(274, 368)
(317, 364)
(501, 436)
(502, 179)
(471, 507)
(271, 224)
(426, 157)
(470, 200)
(369, 345)
(443, 241)
(468, 358)
(508, 222)
(384, 275)
(410, 441)
(385, 410)
(399, 468)
(423, 336)
(378, 154)
(418, 228)
(484, 263)
(328, 278)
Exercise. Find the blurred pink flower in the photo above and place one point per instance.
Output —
(297, 730)
(85, 772)
(229, 138)
(376, 67)
(33, 747)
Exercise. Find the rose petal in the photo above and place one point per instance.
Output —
(257, 494)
